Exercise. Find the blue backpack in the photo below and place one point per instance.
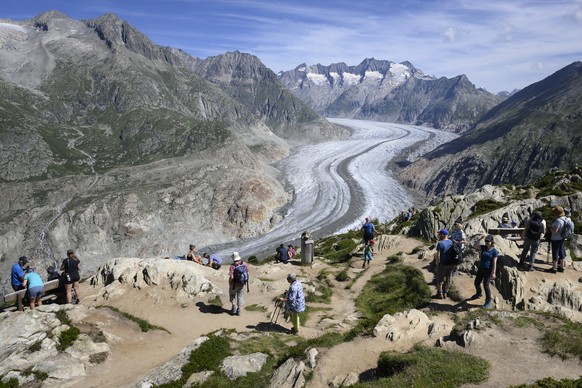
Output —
(241, 276)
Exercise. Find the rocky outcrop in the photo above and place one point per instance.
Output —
(186, 277)
(30, 342)
(238, 366)
(289, 375)
(412, 325)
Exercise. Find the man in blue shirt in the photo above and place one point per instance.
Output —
(17, 275)
(444, 266)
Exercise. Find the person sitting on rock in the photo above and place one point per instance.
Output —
(213, 260)
(505, 224)
(291, 251)
(282, 254)
(192, 254)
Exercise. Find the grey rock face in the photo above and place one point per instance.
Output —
(238, 366)
(289, 375)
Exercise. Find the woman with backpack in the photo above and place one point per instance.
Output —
(238, 276)
(533, 231)
(487, 268)
(557, 240)
(71, 267)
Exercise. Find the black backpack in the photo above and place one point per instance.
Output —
(535, 230)
(457, 253)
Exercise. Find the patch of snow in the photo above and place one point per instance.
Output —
(317, 79)
(373, 74)
(14, 27)
(399, 72)
(301, 69)
(351, 79)
(334, 75)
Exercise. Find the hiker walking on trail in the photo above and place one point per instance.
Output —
(238, 276)
(558, 240)
(33, 281)
(17, 273)
(445, 266)
(368, 231)
(533, 231)
(368, 253)
(294, 301)
(71, 267)
(487, 267)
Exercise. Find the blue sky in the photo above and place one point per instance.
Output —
(498, 44)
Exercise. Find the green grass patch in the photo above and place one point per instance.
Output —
(564, 341)
(144, 325)
(342, 276)
(67, 337)
(256, 307)
(397, 288)
(11, 383)
(485, 206)
(35, 347)
(428, 367)
(207, 356)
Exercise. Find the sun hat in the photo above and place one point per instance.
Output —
(559, 211)
(235, 256)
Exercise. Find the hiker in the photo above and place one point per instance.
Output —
(294, 301)
(368, 253)
(458, 234)
(565, 235)
(368, 231)
(192, 254)
(238, 276)
(557, 240)
(282, 254)
(33, 281)
(444, 266)
(291, 251)
(534, 229)
(214, 260)
(71, 266)
(17, 273)
(486, 270)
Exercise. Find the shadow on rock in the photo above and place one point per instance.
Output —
(211, 309)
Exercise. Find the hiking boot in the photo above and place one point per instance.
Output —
(444, 295)
(364, 264)
(294, 331)
(560, 269)
(438, 295)
(238, 312)
(233, 310)
(476, 296)
(552, 270)
(531, 268)
(487, 305)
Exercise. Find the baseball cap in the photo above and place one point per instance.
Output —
(444, 232)
(489, 238)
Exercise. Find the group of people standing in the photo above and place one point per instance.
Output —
(23, 276)
(561, 230)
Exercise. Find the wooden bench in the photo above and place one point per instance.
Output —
(507, 233)
(51, 289)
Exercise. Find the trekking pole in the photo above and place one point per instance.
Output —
(276, 311)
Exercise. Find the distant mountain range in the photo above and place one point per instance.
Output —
(518, 141)
(387, 91)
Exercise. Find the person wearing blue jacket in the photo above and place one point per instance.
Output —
(294, 301)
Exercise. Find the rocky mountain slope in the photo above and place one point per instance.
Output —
(387, 91)
(110, 143)
(516, 142)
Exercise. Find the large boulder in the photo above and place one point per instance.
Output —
(185, 277)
